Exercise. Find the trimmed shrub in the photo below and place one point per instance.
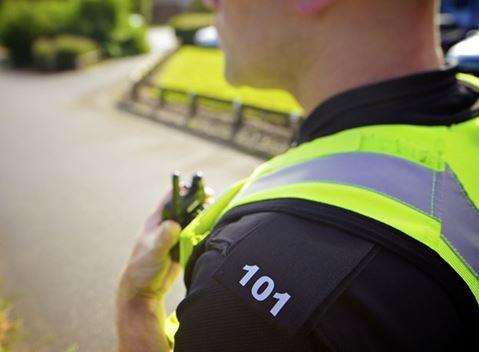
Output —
(186, 25)
(70, 50)
(44, 54)
(22, 22)
(65, 52)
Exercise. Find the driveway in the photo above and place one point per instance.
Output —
(77, 178)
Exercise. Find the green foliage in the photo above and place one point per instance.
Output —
(97, 19)
(144, 8)
(70, 48)
(107, 22)
(63, 52)
(128, 40)
(186, 25)
(200, 70)
(44, 54)
(21, 22)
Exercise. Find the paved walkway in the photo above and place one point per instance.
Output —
(77, 178)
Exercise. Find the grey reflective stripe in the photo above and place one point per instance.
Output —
(438, 194)
(406, 181)
(460, 219)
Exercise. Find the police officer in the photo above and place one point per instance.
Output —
(364, 236)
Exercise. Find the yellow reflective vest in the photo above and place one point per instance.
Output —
(422, 181)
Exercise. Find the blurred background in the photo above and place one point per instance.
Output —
(100, 101)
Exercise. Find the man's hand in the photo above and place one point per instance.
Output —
(150, 271)
(148, 275)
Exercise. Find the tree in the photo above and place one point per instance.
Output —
(143, 7)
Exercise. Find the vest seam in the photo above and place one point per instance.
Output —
(464, 193)
(456, 251)
(476, 211)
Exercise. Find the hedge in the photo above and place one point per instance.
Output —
(22, 22)
(65, 52)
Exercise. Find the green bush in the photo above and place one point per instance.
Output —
(64, 52)
(128, 40)
(97, 19)
(44, 54)
(106, 22)
(22, 22)
(143, 7)
(70, 49)
(186, 25)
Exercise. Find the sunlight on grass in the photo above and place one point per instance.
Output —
(200, 71)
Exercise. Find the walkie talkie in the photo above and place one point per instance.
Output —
(185, 204)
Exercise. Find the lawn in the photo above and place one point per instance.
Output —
(200, 70)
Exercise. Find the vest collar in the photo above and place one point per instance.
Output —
(430, 98)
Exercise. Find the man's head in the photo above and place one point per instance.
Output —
(274, 43)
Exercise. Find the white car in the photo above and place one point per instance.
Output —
(465, 54)
(207, 37)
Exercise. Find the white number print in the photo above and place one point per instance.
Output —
(282, 298)
(263, 288)
(268, 290)
(251, 270)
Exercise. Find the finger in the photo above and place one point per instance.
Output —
(167, 236)
(210, 191)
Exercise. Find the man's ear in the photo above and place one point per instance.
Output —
(312, 6)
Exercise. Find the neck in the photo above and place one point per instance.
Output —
(350, 60)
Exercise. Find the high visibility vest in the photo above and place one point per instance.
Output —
(422, 181)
